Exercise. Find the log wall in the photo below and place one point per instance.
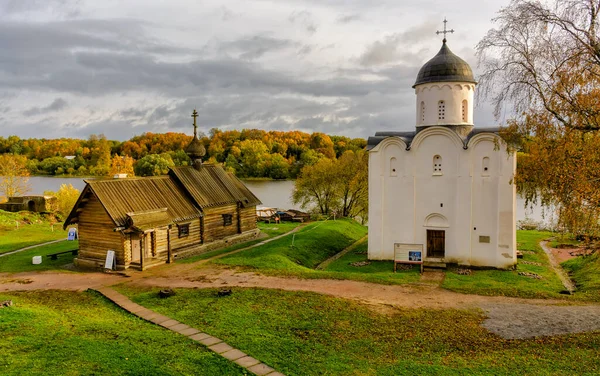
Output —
(213, 223)
(248, 218)
(96, 235)
(192, 238)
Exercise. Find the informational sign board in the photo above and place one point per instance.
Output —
(111, 262)
(72, 235)
(408, 254)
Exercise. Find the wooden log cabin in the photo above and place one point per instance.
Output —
(154, 220)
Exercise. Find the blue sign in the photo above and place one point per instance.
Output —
(414, 256)
(72, 234)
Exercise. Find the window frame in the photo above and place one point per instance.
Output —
(183, 230)
(227, 219)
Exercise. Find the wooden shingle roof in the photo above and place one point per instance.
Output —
(122, 196)
(211, 186)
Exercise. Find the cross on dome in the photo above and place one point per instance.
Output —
(445, 31)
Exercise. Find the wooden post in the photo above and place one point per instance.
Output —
(169, 254)
(202, 229)
(142, 244)
(239, 220)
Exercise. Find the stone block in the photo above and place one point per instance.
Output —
(247, 361)
(220, 347)
(261, 369)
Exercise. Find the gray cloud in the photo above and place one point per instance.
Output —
(395, 47)
(239, 68)
(68, 8)
(305, 19)
(252, 48)
(346, 18)
(56, 105)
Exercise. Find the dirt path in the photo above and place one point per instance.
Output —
(507, 317)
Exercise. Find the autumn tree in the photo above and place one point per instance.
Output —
(66, 196)
(352, 180)
(340, 185)
(544, 60)
(153, 165)
(14, 176)
(316, 187)
(121, 165)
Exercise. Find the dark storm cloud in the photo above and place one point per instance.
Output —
(56, 105)
(231, 90)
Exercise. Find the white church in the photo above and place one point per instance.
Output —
(447, 185)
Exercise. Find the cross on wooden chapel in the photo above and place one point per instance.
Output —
(445, 31)
(195, 115)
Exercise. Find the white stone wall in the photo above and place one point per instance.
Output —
(453, 94)
(462, 199)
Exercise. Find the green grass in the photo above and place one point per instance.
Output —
(510, 283)
(561, 239)
(376, 272)
(270, 230)
(32, 229)
(68, 333)
(300, 333)
(22, 261)
(585, 271)
(311, 245)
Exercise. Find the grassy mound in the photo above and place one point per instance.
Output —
(302, 250)
(585, 271)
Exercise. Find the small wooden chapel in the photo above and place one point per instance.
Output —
(149, 221)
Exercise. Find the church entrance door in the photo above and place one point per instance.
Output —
(436, 243)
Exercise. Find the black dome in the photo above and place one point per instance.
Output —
(445, 67)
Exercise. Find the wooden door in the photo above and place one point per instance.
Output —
(436, 243)
(135, 248)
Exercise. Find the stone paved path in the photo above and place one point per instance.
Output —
(31, 246)
(213, 343)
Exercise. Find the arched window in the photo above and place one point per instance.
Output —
(441, 110)
(465, 114)
(437, 165)
(485, 166)
(422, 112)
(393, 167)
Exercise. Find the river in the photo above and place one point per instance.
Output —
(271, 193)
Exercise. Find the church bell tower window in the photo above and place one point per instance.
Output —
(437, 165)
(441, 110)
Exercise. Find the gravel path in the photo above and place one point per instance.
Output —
(518, 321)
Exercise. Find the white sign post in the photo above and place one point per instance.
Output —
(111, 262)
(408, 254)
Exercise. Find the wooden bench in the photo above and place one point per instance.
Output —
(54, 256)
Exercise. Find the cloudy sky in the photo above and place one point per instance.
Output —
(71, 68)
